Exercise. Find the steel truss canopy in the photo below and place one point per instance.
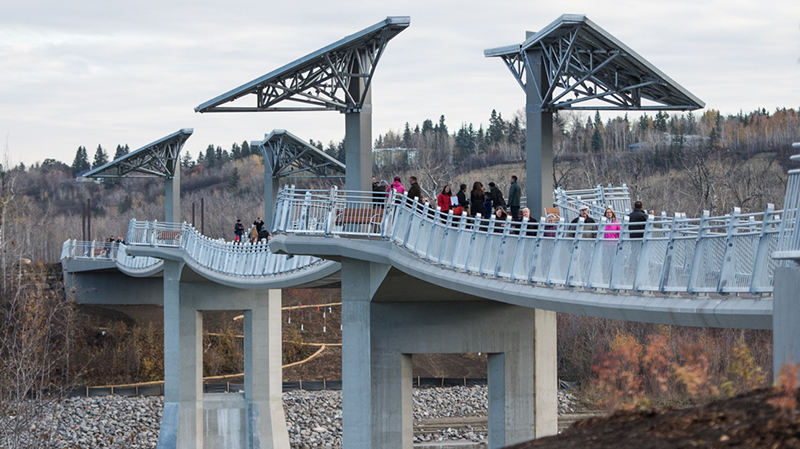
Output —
(156, 160)
(288, 156)
(319, 81)
(589, 69)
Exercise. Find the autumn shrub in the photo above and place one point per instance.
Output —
(662, 369)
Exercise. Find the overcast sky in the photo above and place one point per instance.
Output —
(112, 72)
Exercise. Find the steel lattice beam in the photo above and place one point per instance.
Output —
(158, 159)
(288, 156)
(319, 81)
(584, 63)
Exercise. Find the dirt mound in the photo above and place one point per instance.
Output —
(746, 421)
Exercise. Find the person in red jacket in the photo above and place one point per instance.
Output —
(443, 201)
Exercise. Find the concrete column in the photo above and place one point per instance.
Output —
(265, 421)
(392, 400)
(496, 378)
(271, 187)
(181, 423)
(172, 197)
(785, 316)
(358, 141)
(360, 279)
(520, 342)
(538, 139)
(545, 373)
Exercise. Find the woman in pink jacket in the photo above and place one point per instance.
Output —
(397, 186)
(610, 228)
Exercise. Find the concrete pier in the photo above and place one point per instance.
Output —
(380, 337)
(191, 420)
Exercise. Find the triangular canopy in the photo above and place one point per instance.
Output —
(156, 160)
(595, 68)
(287, 156)
(318, 81)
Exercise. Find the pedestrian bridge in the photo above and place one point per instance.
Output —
(707, 271)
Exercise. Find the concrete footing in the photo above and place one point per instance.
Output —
(380, 338)
(192, 420)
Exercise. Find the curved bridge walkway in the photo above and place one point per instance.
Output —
(707, 271)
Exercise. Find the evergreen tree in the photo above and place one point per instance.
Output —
(236, 151)
(81, 162)
(246, 150)
(186, 160)
(125, 205)
(121, 151)
(211, 158)
(427, 127)
(234, 178)
(100, 157)
(407, 136)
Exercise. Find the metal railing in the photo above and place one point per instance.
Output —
(597, 199)
(670, 255)
(229, 258)
(789, 244)
(117, 252)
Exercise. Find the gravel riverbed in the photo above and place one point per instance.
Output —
(313, 418)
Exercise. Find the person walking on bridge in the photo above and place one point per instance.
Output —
(514, 198)
(238, 230)
(414, 190)
(443, 201)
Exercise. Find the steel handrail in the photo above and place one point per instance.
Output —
(726, 254)
(229, 258)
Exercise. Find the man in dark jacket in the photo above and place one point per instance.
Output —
(584, 213)
(497, 196)
(259, 224)
(238, 229)
(414, 191)
(637, 216)
(514, 198)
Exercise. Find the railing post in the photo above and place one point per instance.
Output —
(388, 219)
(762, 257)
(331, 213)
(502, 252)
(699, 248)
(448, 224)
(644, 255)
(668, 254)
(437, 216)
(727, 270)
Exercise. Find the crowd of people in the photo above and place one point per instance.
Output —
(480, 202)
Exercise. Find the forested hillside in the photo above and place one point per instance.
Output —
(673, 162)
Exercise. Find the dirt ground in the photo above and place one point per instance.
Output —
(746, 421)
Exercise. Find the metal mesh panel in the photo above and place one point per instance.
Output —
(475, 256)
(679, 264)
(602, 263)
(505, 260)
(559, 265)
(523, 256)
(448, 246)
(542, 258)
(579, 262)
(437, 236)
(626, 260)
(491, 249)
